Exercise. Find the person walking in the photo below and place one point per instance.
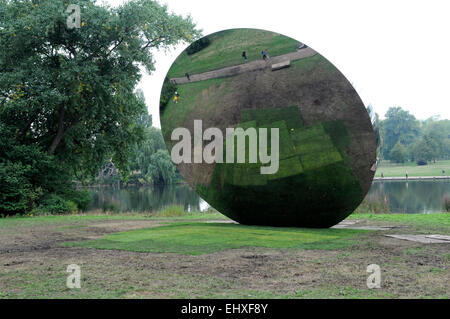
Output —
(406, 174)
(176, 97)
(244, 55)
(187, 76)
(263, 54)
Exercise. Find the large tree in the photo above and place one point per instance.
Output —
(67, 95)
(438, 133)
(399, 126)
(398, 153)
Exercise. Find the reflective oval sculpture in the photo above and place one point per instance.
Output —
(267, 131)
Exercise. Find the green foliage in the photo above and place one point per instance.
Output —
(424, 141)
(16, 194)
(110, 207)
(198, 45)
(67, 100)
(151, 162)
(424, 150)
(82, 198)
(398, 153)
(55, 204)
(161, 169)
(167, 93)
(399, 126)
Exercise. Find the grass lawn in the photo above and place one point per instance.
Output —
(435, 221)
(196, 257)
(399, 170)
(32, 221)
(203, 238)
(226, 50)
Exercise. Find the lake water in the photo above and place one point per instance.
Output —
(414, 197)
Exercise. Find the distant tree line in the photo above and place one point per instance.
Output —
(404, 138)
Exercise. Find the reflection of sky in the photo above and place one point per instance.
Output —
(203, 205)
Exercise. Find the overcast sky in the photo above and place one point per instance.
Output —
(395, 53)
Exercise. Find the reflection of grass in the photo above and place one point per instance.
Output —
(190, 95)
(226, 50)
(201, 238)
(203, 97)
(394, 170)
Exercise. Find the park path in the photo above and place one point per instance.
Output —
(410, 178)
(246, 67)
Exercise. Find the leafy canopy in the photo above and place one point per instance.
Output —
(67, 95)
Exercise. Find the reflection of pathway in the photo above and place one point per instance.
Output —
(246, 67)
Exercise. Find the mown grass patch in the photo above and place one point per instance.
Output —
(202, 238)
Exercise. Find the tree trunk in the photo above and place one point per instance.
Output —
(60, 133)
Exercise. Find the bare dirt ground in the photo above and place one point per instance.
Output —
(33, 265)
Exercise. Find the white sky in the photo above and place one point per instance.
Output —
(395, 53)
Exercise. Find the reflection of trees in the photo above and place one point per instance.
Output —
(146, 199)
(412, 196)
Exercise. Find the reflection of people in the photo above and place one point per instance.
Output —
(263, 54)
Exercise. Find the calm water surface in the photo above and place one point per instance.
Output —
(414, 197)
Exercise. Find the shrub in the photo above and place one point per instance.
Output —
(110, 207)
(198, 45)
(398, 153)
(81, 198)
(374, 203)
(55, 204)
(16, 193)
(421, 162)
(167, 92)
(171, 211)
(28, 177)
